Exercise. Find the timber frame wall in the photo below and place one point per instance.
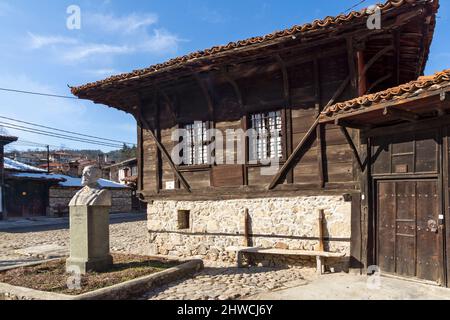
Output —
(325, 161)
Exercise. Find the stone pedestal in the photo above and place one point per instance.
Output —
(89, 238)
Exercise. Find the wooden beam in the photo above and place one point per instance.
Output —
(145, 124)
(397, 56)
(291, 160)
(351, 65)
(286, 84)
(317, 93)
(362, 80)
(158, 160)
(349, 124)
(244, 126)
(169, 104)
(375, 58)
(206, 94)
(235, 86)
(353, 147)
(379, 81)
(339, 92)
(318, 106)
(401, 114)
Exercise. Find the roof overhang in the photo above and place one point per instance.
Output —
(420, 105)
(4, 140)
(123, 91)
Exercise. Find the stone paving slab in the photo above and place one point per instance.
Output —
(48, 251)
(354, 287)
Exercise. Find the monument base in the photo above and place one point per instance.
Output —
(85, 266)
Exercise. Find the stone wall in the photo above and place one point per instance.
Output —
(290, 223)
(59, 199)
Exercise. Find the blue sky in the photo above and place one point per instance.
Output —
(39, 53)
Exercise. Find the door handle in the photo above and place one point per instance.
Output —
(433, 226)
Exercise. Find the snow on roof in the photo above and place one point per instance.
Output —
(66, 181)
(76, 182)
(19, 166)
(30, 172)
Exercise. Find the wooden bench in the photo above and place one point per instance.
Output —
(320, 255)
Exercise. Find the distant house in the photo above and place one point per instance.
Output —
(31, 191)
(4, 140)
(125, 172)
(60, 157)
(56, 167)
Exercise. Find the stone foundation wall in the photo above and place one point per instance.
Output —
(59, 199)
(287, 223)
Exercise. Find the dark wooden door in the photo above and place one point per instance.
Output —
(409, 238)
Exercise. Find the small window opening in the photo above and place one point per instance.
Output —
(184, 219)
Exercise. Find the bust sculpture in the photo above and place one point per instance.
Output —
(89, 225)
(91, 194)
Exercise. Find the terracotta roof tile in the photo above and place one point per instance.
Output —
(427, 83)
(315, 25)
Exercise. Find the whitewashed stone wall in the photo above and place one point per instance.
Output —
(290, 223)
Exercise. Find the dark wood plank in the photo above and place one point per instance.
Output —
(405, 238)
(429, 244)
(386, 226)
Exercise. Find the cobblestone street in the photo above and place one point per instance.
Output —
(215, 282)
(229, 283)
(128, 237)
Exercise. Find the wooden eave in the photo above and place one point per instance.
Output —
(420, 106)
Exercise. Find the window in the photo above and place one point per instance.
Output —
(267, 144)
(184, 217)
(195, 151)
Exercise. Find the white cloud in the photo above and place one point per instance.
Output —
(83, 52)
(102, 72)
(126, 24)
(40, 41)
(161, 41)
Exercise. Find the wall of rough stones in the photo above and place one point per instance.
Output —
(286, 223)
(59, 199)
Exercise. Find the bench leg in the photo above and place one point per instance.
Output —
(319, 261)
(239, 256)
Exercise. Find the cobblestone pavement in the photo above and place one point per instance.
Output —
(215, 282)
(128, 237)
(229, 283)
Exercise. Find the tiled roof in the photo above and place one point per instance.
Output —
(426, 83)
(295, 30)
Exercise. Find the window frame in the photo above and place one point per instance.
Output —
(207, 125)
(282, 135)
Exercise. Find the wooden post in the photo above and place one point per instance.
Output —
(321, 231)
(247, 240)
(362, 80)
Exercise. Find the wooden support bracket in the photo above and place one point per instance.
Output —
(353, 147)
(401, 114)
(145, 124)
(291, 160)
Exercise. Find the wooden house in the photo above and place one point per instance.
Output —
(32, 192)
(4, 140)
(282, 82)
